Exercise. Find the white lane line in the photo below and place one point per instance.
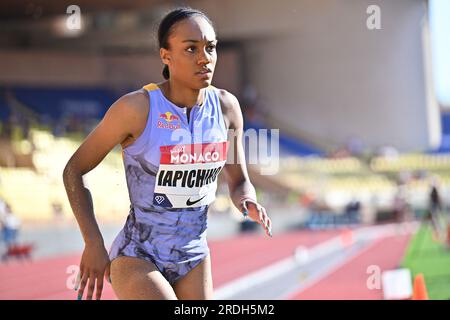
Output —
(373, 233)
(265, 274)
(321, 275)
(287, 264)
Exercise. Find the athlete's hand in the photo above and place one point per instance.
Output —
(94, 266)
(257, 213)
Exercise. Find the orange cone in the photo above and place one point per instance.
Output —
(420, 289)
(448, 235)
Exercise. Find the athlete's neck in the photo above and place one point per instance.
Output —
(182, 96)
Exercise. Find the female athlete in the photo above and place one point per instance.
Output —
(175, 136)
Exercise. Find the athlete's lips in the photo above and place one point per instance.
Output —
(204, 71)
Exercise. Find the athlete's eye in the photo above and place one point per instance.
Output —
(211, 48)
(190, 49)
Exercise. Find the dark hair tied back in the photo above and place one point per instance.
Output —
(168, 22)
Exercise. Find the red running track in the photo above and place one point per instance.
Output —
(349, 281)
(230, 258)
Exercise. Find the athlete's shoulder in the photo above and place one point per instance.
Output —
(227, 99)
(136, 99)
(230, 107)
(134, 103)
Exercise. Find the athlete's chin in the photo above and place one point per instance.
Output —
(206, 82)
(203, 83)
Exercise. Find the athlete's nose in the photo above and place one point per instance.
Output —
(204, 57)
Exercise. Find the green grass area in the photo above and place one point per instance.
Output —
(432, 258)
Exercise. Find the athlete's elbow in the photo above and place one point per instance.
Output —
(69, 173)
(66, 174)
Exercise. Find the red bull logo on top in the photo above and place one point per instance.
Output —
(168, 120)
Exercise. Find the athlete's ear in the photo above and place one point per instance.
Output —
(165, 55)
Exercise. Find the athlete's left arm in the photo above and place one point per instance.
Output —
(242, 191)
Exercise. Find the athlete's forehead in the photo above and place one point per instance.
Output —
(192, 30)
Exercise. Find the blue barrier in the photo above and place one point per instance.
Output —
(60, 102)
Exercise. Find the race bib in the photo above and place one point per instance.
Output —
(187, 175)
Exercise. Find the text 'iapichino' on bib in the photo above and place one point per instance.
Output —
(187, 175)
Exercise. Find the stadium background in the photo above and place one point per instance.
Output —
(364, 131)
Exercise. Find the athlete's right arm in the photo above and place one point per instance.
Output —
(123, 122)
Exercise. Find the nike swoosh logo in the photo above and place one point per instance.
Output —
(190, 203)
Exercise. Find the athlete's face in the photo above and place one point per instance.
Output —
(191, 56)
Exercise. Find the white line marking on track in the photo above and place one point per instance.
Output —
(287, 264)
